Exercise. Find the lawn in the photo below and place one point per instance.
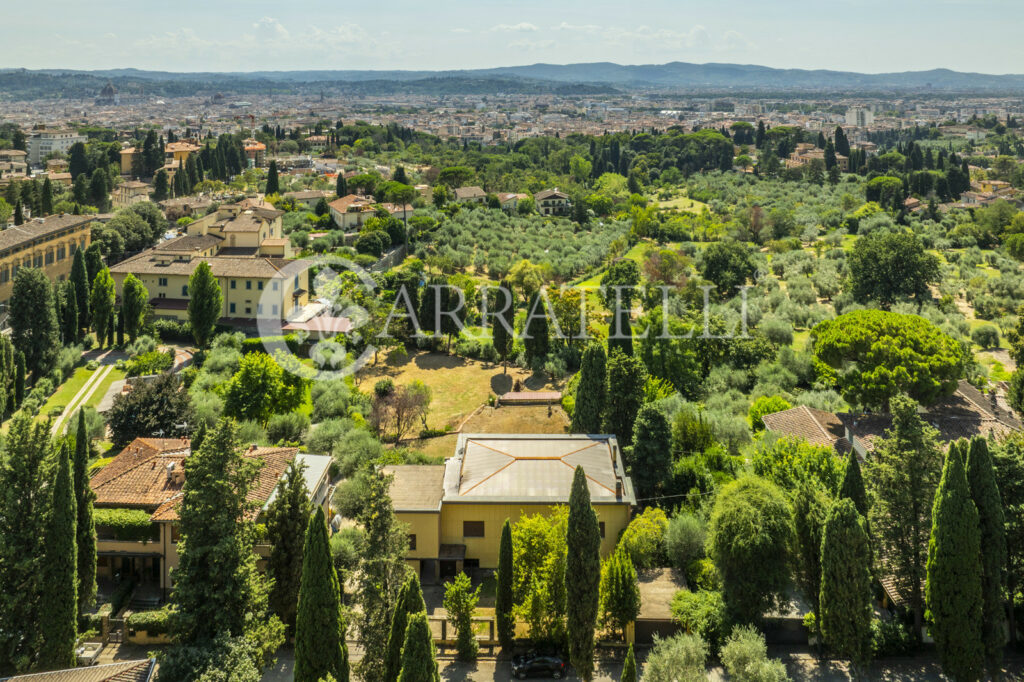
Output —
(508, 419)
(682, 203)
(94, 400)
(459, 385)
(66, 392)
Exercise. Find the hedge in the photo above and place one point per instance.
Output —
(153, 622)
(126, 524)
(153, 362)
(259, 344)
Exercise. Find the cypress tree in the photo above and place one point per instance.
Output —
(273, 187)
(418, 658)
(85, 529)
(582, 575)
(204, 303)
(319, 630)
(620, 591)
(852, 487)
(845, 601)
(409, 602)
(504, 327)
(982, 480)
(650, 457)
(953, 591)
(629, 667)
(19, 213)
(80, 278)
(624, 394)
(287, 519)
(69, 316)
(810, 511)
(621, 335)
(504, 601)
(19, 378)
(46, 203)
(535, 332)
(58, 621)
(590, 392)
(341, 188)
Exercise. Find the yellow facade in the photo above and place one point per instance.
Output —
(52, 251)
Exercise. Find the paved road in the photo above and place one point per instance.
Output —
(800, 664)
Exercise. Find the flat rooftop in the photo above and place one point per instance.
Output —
(535, 468)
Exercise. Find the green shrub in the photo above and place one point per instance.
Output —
(986, 336)
(644, 538)
(126, 525)
(890, 638)
(701, 574)
(153, 362)
(684, 539)
(701, 613)
(153, 622)
(287, 428)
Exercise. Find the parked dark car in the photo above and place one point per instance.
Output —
(536, 664)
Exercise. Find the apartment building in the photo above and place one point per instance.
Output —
(45, 243)
(43, 141)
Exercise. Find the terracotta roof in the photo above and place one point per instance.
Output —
(44, 228)
(246, 221)
(416, 488)
(814, 426)
(550, 194)
(122, 671)
(190, 243)
(138, 476)
(180, 147)
(307, 194)
(275, 462)
(469, 192)
(342, 203)
(258, 268)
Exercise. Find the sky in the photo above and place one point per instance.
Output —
(869, 36)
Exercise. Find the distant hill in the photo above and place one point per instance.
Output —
(579, 79)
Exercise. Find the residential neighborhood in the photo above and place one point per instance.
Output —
(667, 345)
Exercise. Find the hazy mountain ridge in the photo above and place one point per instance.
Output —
(580, 79)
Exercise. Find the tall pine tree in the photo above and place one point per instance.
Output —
(624, 394)
(629, 667)
(319, 630)
(410, 602)
(504, 601)
(85, 529)
(982, 480)
(953, 591)
(582, 575)
(273, 186)
(650, 457)
(845, 601)
(504, 325)
(80, 278)
(58, 620)
(590, 391)
(287, 519)
(419, 662)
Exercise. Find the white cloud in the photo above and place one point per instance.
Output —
(522, 27)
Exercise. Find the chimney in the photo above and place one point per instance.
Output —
(170, 472)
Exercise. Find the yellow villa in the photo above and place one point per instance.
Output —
(248, 254)
(45, 243)
(455, 511)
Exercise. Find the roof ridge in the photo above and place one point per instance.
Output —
(814, 419)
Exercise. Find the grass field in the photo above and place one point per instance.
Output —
(63, 395)
(682, 204)
(459, 385)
